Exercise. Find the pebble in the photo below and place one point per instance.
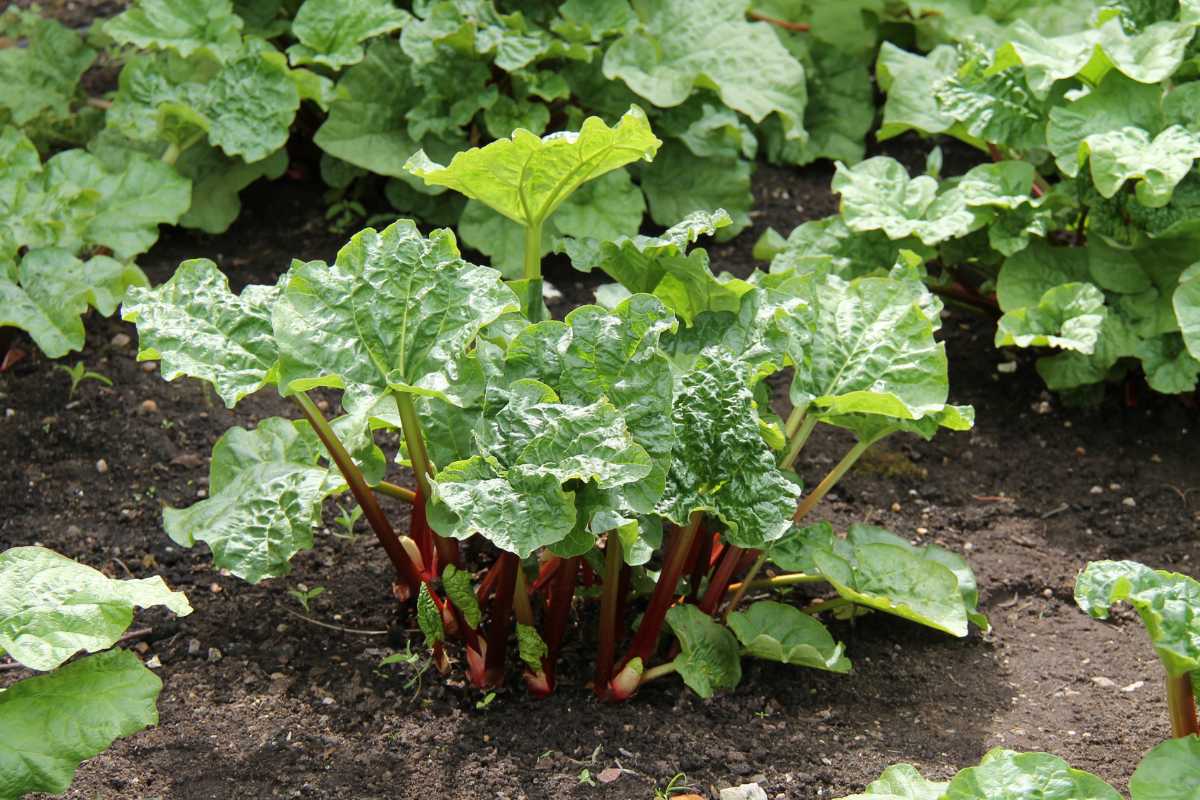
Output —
(747, 791)
(1047, 592)
(149, 407)
(1096, 490)
(193, 647)
(323, 405)
(214, 587)
(896, 507)
(1129, 502)
(101, 466)
(1103, 682)
(1133, 687)
(9, 413)
(154, 662)
(214, 655)
(149, 366)
(120, 340)
(1006, 367)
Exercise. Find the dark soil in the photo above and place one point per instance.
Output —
(258, 702)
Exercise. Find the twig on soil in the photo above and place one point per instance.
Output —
(1057, 510)
(331, 626)
(990, 498)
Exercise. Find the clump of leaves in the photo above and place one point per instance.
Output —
(627, 450)
(52, 608)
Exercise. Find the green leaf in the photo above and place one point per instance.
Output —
(828, 246)
(1069, 317)
(460, 593)
(1157, 164)
(1186, 301)
(722, 465)
(184, 26)
(527, 177)
(680, 46)
(217, 180)
(1171, 771)
(678, 184)
(531, 647)
(1166, 602)
(331, 32)
(907, 79)
(40, 80)
(902, 782)
(250, 106)
(55, 607)
(1169, 368)
(1005, 775)
(395, 312)
(783, 633)
(54, 722)
(200, 329)
(429, 617)
(265, 489)
(708, 659)
(1117, 103)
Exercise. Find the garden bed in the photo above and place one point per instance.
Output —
(261, 703)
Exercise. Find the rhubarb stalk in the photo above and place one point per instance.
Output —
(1181, 706)
(606, 650)
(501, 624)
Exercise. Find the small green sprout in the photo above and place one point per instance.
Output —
(304, 595)
(78, 374)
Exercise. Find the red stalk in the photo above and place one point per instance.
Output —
(606, 649)
(484, 590)
(589, 575)
(697, 561)
(718, 584)
(558, 611)
(1181, 706)
(501, 623)
(419, 530)
(718, 550)
(546, 573)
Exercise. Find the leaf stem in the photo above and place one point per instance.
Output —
(797, 441)
(718, 584)
(402, 550)
(393, 490)
(1181, 706)
(830, 480)
(606, 649)
(423, 468)
(793, 421)
(501, 624)
(658, 672)
(533, 269)
(777, 581)
(745, 585)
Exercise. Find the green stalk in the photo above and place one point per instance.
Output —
(533, 269)
(778, 581)
(171, 154)
(399, 492)
(1181, 706)
(830, 480)
(827, 605)
(793, 421)
(797, 439)
(447, 550)
(658, 672)
(745, 585)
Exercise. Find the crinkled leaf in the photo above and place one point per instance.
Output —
(1157, 164)
(200, 329)
(779, 632)
(396, 311)
(722, 465)
(531, 647)
(1006, 775)
(184, 26)
(250, 106)
(331, 32)
(907, 79)
(1171, 771)
(41, 79)
(54, 722)
(1166, 602)
(1068, 317)
(1116, 104)
(1186, 301)
(829, 246)
(708, 659)
(752, 332)
(460, 593)
(527, 177)
(679, 184)
(266, 488)
(429, 617)
(53, 607)
(901, 782)
(680, 46)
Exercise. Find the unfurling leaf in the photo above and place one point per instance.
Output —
(460, 593)
(708, 659)
(429, 617)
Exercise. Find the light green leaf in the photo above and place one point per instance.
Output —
(708, 659)
(1169, 368)
(783, 633)
(902, 782)
(722, 465)
(54, 722)
(680, 46)
(39, 81)
(331, 32)
(1157, 164)
(460, 593)
(184, 26)
(1005, 775)
(828, 246)
(678, 185)
(1166, 602)
(396, 311)
(217, 180)
(54, 607)
(250, 106)
(1117, 103)
(200, 329)
(1186, 301)
(1171, 771)
(907, 79)
(266, 489)
(429, 617)
(527, 177)
(531, 647)
(1069, 317)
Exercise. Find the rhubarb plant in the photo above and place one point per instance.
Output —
(52, 608)
(626, 452)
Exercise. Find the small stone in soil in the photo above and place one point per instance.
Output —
(214, 655)
(1129, 502)
(101, 466)
(193, 648)
(1103, 682)
(120, 340)
(149, 407)
(149, 366)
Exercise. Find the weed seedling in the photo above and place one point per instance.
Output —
(78, 374)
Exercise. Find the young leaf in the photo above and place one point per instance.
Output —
(266, 489)
(708, 659)
(460, 593)
(53, 607)
(1171, 771)
(331, 32)
(429, 617)
(200, 329)
(783, 633)
(1069, 317)
(1118, 103)
(1166, 602)
(39, 81)
(901, 782)
(1186, 301)
(1006, 775)
(395, 312)
(54, 722)
(678, 184)
(526, 178)
(531, 647)
(184, 26)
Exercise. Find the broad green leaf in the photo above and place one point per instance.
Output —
(1186, 301)
(783, 633)
(793, 552)
(1117, 103)
(907, 79)
(722, 465)
(828, 246)
(710, 131)
(527, 177)
(680, 46)
(996, 107)
(752, 332)
(708, 659)
(1069, 317)
(331, 32)
(1169, 367)
(429, 617)
(1157, 164)
(39, 81)
(250, 106)
(1006, 775)
(1171, 771)
(395, 312)
(53, 607)
(901, 782)
(678, 185)
(1166, 602)
(54, 722)
(460, 593)
(198, 328)
(217, 180)
(184, 26)
(531, 647)
(872, 428)
(265, 488)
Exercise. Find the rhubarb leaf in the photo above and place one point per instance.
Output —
(722, 465)
(1118, 103)
(395, 312)
(55, 607)
(678, 184)
(527, 177)
(54, 722)
(1171, 771)
(184, 26)
(331, 32)
(1006, 775)
(531, 647)
(429, 617)
(460, 593)
(198, 328)
(902, 782)
(1068, 317)
(1186, 301)
(217, 179)
(266, 488)
(39, 81)
(1158, 164)
(1166, 602)
(779, 632)
(708, 659)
